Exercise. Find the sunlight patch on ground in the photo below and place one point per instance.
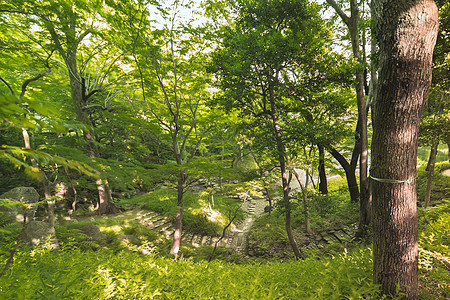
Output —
(212, 214)
(115, 229)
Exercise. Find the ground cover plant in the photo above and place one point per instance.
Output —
(103, 274)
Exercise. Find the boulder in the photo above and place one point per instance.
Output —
(40, 234)
(93, 232)
(19, 195)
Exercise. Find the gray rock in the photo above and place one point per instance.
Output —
(93, 232)
(19, 195)
(40, 234)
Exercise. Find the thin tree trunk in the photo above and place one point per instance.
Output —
(305, 200)
(349, 174)
(179, 216)
(364, 197)
(284, 180)
(430, 169)
(352, 23)
(44, 181)
(406, 33)
(323, 186)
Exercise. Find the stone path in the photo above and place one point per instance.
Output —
(254, 208)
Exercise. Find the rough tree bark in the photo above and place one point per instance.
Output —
(406, 33)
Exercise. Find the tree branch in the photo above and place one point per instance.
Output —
(339, 11)
(91, 93)
(225, 229)
(200, 140)
(28, 81)
(7, 84)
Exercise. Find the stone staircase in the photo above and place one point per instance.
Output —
(326, 237)
(236, 239)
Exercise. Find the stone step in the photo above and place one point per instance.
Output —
(196, 240)
(161, 225)
(169, 232)
(188, 238)
(147, 215)
(206, 241)
(154, 225)
(340, 236)
(151, 222)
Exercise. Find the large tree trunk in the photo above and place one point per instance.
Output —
(284, 181)
(406, 33)
(430, 169)
(106, 205)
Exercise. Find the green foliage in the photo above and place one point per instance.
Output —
(126, 275)
(268, 237)
(423, 154)
(433, 275)
(434, 242)
(8, 236)
(14, 115)
(434, 228)
(337, 184)
(437, 236)
(333, 210)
